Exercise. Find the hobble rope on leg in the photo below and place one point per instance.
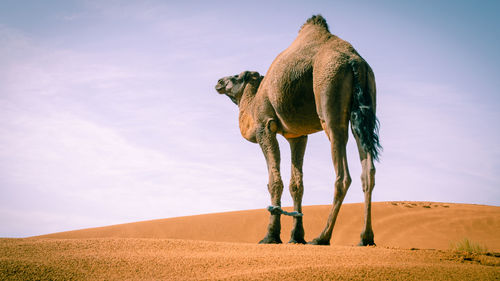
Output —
(276, 210)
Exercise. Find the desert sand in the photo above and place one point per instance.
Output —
(413, 243)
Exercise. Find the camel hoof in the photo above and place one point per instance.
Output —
(317, 241)
(270, 240)
(297, 241)
(363, 243)
(366, 238)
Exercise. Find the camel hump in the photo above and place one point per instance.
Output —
(318, 20)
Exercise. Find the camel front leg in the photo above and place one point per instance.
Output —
(298, 148)
(266, 137)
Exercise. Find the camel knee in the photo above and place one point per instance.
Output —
(296, 187)
(275, 187)
(346, 182)
(342, 184)
(371, 176)
(368, 179)
(296, 190)
(296, 182)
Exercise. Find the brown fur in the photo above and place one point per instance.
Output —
(308, 88)
(316, 20)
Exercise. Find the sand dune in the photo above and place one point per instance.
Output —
(412, 237)
(423, 225)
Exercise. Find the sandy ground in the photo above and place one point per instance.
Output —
(167, 259)
(395, 224)
(413, 240)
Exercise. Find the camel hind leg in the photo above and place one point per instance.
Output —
(364, 126)
(338, 138)
(333, 103)
(368, 183)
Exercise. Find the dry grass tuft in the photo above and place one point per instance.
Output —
(469, 246)
(473, 252)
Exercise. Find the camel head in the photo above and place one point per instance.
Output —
(234, 86)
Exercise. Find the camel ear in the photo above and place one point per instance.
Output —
(246, 76)
(254, 75)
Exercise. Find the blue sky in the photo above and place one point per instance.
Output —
(109, 113)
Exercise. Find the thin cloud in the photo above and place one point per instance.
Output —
(115, 119)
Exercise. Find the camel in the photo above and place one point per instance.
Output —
(319, 82)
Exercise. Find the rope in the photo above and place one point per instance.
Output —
(276, 210)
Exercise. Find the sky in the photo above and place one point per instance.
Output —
(109, 113)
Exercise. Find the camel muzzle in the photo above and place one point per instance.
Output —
(220, 88)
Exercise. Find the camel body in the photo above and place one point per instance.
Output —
(318, 83)
(286, 93)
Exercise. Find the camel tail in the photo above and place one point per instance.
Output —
(364, 122)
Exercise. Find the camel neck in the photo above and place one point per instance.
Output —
(247, 97)
(246, 119)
